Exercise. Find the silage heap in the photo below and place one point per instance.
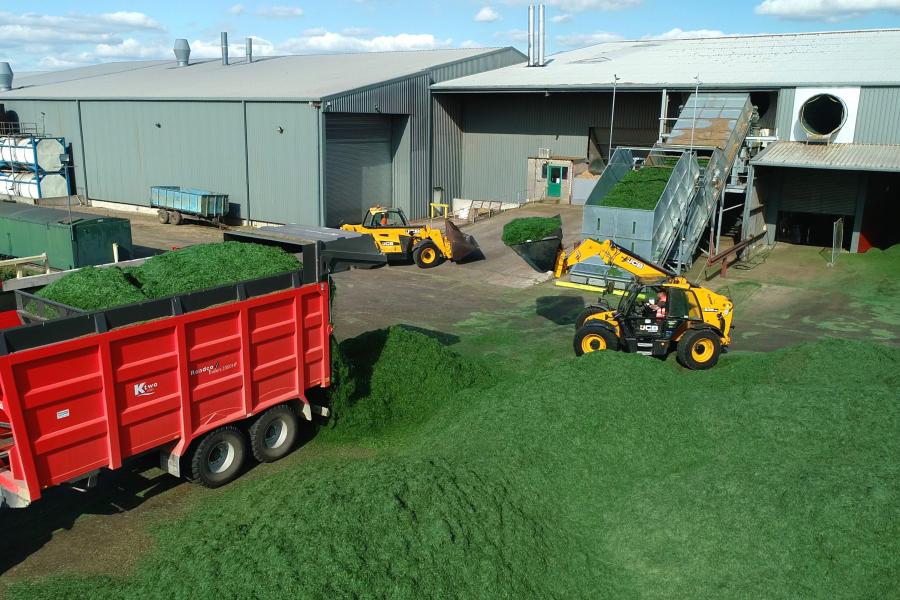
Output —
(612, 475)
(187, 270)
(536, 240)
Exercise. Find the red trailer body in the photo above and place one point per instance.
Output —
(72, 407)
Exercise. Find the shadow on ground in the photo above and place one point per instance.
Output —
(562, 310)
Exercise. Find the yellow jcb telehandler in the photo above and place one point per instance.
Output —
(426, 246)
(658, 313)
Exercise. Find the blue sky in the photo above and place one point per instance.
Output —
(51, 35)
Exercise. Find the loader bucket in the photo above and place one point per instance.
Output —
(540, 254)
(461, 245)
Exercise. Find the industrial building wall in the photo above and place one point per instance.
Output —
(501, 131)
(283, 162)
(57, 118)
(446, 149)
(131, 146)
(877, 121)
(784, 120)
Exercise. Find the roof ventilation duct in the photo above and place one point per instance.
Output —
(531, 48)
(182, 52)
(822, 116)
(6, 77)
(249, 48)
(225, 48)
(541, 37)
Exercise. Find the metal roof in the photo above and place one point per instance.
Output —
(844, 157)
(303, 77)
(866, 57)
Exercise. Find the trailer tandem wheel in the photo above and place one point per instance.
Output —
(273, 433)
(219, 457)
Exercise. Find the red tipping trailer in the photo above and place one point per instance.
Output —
(208, 379)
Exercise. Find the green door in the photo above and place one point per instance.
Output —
(554, 181)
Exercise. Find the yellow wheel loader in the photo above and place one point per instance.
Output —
(426, 246)
(657, 314)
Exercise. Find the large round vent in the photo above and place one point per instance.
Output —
(823, 115)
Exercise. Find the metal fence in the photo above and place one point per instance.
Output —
(837, 241)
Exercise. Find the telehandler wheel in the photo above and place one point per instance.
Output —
(587, 312)
(593, 338)
(273, 434)
(163, 216)
(427, 256)
(219, 457)
(699, 349)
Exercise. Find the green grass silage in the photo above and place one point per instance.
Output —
(178, 272)
(639, 189)
(613, 475)
(529, 229)
(91, 288)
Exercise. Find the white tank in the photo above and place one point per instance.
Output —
(25, 150)
(26, 185)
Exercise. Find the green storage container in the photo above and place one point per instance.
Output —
(71, 240)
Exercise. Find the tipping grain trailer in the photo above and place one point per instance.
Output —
(208, 379)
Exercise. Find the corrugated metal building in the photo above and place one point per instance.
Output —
(492, 122)
(309, 139)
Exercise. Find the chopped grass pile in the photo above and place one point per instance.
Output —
(91, 288)
(208, 265)
(639, 189)
(770, 475)
(187, 270)
(529, 229)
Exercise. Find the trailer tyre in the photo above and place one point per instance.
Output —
(219, 457)
(274, 433)
(163, 216)
(175, 217)
(427, 256)
(699, 349)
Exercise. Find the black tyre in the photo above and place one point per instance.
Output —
(163, 216)
(699, 349)
(176, 218)
(587, 312)
(273, 434)
(594, 338)
(427, 255)
(219, 457)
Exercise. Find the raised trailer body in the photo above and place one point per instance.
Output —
(85, 392)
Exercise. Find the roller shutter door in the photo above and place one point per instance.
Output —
(821, 192)
(357, 165)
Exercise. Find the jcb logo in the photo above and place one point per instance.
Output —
(145, 388)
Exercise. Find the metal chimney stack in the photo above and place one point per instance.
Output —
(531, 48)
(6, 77)
(182, 52)
(249, 48)
(225, 48)
(541, 37)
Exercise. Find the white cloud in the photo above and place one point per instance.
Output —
(681, 34)
(329, 41)
(824, 10)
(563, 18)
(580, 40)
(517, 36)
(236, 9)
(487, 15)
(470, 44)
(279, 12)
(356, 31)
(131, 20)
(575, 6)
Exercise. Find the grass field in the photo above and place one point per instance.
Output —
(500, 467)
(639, 189)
